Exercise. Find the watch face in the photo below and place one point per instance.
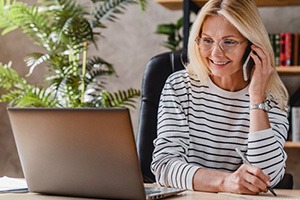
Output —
(267, 105)
(262, 106)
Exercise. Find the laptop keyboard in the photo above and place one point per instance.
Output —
(152, 190)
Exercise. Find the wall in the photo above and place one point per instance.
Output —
(129, 43)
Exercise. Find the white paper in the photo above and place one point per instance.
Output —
(7, 183)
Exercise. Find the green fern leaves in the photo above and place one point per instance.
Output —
(19, 92)
(173, 33)
(120, 98)
(64, 29)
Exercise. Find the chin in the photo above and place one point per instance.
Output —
(217, 72)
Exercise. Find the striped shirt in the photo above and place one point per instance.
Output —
(200, 125)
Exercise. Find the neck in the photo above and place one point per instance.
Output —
(229, 84)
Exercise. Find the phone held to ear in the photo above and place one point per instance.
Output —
(248, 64)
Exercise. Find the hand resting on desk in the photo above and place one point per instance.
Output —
(247, 179)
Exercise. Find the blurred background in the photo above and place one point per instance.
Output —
(128, 44)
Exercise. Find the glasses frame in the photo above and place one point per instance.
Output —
(199, 39)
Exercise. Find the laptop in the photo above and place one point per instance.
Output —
(80, 152)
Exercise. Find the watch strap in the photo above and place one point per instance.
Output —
(259, 106)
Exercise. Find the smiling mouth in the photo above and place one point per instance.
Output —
(219, 63)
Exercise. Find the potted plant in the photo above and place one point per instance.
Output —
(65, 30)
(173, 31)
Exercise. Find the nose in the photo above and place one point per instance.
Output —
(217, 50)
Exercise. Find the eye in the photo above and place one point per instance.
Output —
(229, 42)
(207, 41)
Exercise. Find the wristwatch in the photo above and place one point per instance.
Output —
(261, 106)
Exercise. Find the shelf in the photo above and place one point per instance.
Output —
(293, 70)
(177, 4)
(289, 145)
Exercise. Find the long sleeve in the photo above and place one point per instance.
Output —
(200, 125)
(170, 157)
(266, 148)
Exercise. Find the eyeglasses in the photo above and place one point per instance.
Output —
(227, 45)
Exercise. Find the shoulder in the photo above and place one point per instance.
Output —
(181, 74)
(178, 77)
(178, 81)
(182, 79)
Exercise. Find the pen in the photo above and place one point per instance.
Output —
(247, 162)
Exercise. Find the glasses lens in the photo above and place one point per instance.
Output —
(228, 46)
(207, 44)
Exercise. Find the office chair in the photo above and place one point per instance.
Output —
(157, 71)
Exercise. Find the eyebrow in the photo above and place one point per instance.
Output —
(227, 36)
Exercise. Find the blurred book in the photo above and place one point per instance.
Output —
(286, 48)
(295, 124)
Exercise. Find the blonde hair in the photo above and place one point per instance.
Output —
(243, 14)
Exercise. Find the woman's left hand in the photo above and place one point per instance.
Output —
(262, 73)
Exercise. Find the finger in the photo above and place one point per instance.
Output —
(258, 52)
(256, 176)
(251, 188)
(256, 171)
(262, 63)
(242, 186)
(256, 60)
(256, 184)
(263, 55)
(247, 182)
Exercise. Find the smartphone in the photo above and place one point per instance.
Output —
(248, 64)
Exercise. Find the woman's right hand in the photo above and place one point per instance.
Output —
(247, 179)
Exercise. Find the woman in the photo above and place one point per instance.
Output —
(209, 110)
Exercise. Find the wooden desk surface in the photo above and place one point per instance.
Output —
(187, 195)
(281, 194)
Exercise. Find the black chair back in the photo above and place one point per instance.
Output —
(157, 71)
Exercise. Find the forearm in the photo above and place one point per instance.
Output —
(268, 132)
(259, 120)
(247, 179)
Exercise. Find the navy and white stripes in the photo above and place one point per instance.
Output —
(200, 125)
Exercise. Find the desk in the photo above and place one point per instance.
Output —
(187, 195)
(281, 195)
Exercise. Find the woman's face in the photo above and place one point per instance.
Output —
(223, 63)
